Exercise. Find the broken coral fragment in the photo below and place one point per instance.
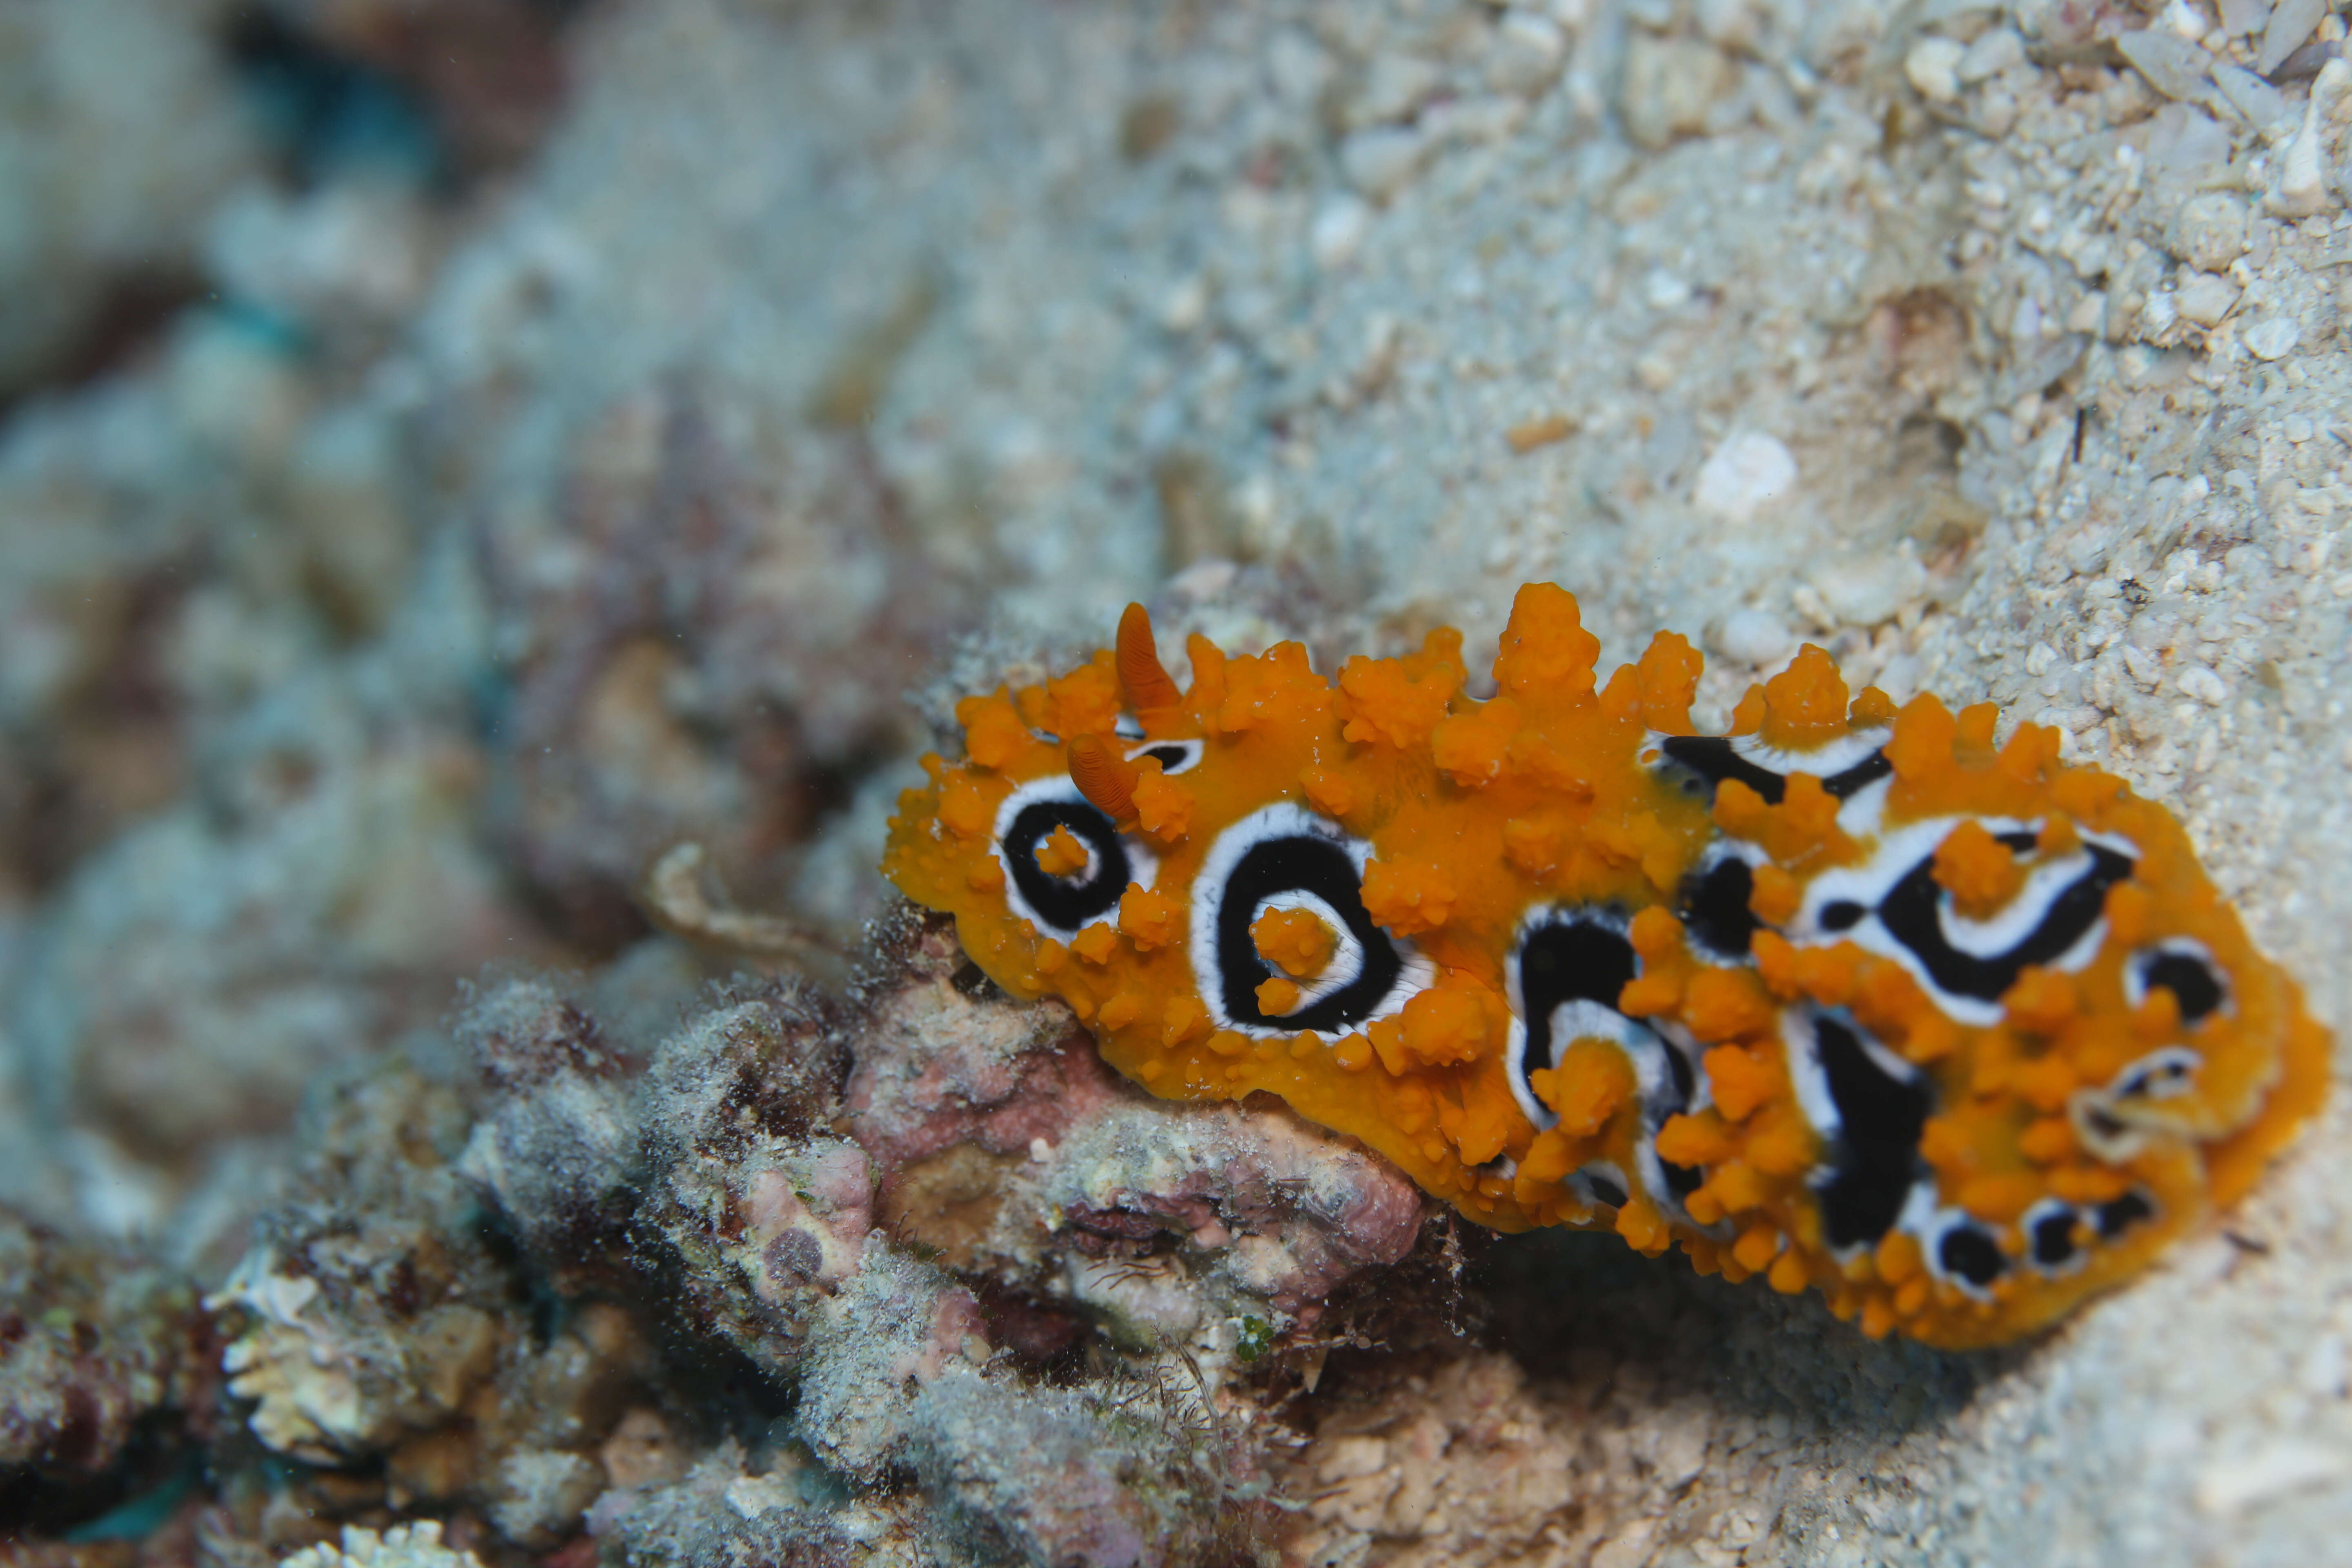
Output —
(1003, 1147)
(402, 1546)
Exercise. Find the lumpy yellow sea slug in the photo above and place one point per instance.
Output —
(1850, 997)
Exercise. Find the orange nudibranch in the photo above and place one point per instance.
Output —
(1851, 997)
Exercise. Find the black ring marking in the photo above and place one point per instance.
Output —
(1713, 759)
(1876, 1155)
(2188, 977)
(1969, 1253)
(1715, 911)
(1566, 959)
(1849, 782)
(1066, 905)
(1910, 912)
(1574, 961)
(1306, 863)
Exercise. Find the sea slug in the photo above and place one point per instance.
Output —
(1850, 997)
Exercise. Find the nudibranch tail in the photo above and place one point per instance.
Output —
(1851, 996)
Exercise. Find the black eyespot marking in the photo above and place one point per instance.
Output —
(1842, 914)
(1875, 1147)
(1714, 907)
(1969, 1253)
(1911, 912)
(2118, 1215)
(1571, 961)
(1305, 864)
(2186, 974)
(1283, 850)
(2050, 1236)
(1173, 756)
(1061, 905)
(1711, 759)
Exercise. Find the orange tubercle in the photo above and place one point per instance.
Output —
(1061, 855)
(1296, 941)
(1981, 873)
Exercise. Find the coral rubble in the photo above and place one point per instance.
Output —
(100, 1350)
(520, 1298)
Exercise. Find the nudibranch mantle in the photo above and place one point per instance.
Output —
(1849, 997)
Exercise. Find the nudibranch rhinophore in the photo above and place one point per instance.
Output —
(1850, 997)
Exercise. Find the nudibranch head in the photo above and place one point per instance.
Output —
(1851, 996)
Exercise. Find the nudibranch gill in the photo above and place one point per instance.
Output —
(1850, 997)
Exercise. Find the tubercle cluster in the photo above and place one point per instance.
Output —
(1851, 997)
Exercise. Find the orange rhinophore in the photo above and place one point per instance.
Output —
(1152, 696)
(1851, 996)
(1107, 779)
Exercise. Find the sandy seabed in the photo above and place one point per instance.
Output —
(449, 545)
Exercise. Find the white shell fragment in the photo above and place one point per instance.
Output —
(1869, 590)
(2272, 339)
(2203, 685)
(1528, 49)
(1754, 637)
(1996, 52)
(2242, 18)
(2205, 299)
(1745, 474)
(2264, 107)
(2292, 21)
(2210, 232)
(2172, 65)
(1933, 67)
(2303, 184)
(1338, 232)
(1380, 160)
